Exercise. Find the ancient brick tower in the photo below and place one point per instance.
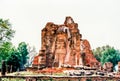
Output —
(63, 45)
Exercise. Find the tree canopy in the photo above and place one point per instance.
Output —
(6, 31)
(23, 51)
(107, 54)
(5, 50)
(15, 57)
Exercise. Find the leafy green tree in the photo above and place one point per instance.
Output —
(13, 60)
(22, 49)
(6, 31)
(97, 53)
(107, 54)
(111, 55)
(6, 34)
(4, 50)
(9, 53)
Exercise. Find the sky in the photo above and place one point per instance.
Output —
(98, 20)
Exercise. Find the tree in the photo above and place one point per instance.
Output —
(22, 49)
(111, 55)
(98, 52)
(6, 32)
(4, 50)
(32, 53)
(13, 60)
(9, 53)
(107, 54)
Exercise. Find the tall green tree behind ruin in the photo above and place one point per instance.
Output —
(107, 54)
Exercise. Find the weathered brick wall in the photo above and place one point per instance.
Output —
(63, 45)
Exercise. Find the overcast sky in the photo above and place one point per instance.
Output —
(98, 20)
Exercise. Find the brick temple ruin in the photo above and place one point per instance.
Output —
(62, 45)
